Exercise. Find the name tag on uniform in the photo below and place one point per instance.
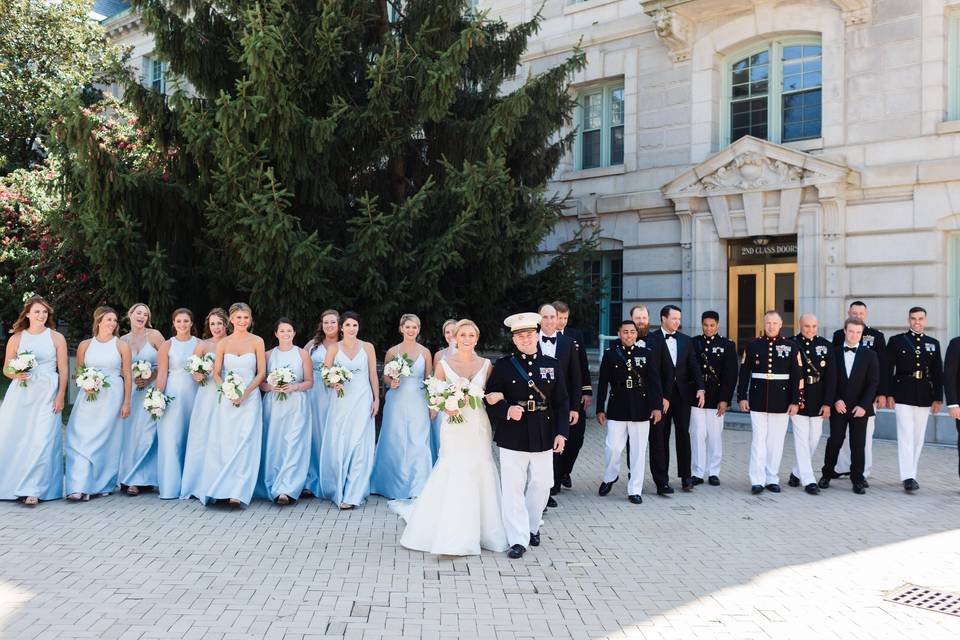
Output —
(717, 350)
(867, 341)
(546, 373)
(821, 350)
(783, 351)
(640, 359)
(642, 343)
(931, 348)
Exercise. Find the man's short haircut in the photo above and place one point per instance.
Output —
(561, 306)
(914, 310)
(710, 315)
(856, 321)
(638, 307)
(858, 303)
(772, 312)
(665, 311)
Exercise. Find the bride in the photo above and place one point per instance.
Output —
(458, 511)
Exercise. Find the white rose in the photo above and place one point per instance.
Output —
(88, 384)
(451, 404)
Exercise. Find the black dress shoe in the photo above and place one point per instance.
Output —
(773, 487)
(565, 481)
(910, 484)
(824, 482)
(534, 539)
(551, 502)
(686, 484)
(606, 486)
(696, 481)
(757, 488)
(555, 490)
(714, 481)
(665, 490)
(516, 551)
(858, 488)
(635, 499)
(794, 481)
(865, 484)
(812, 489)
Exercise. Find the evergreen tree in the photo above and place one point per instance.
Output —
(344, 153)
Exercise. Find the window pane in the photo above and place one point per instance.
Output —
(616, 145)
(793, 52)
(592, 111)
(801, 115)
(591, 149)
(616, 106)
(741, 75)
(749, 77)
(748, 117)
(760, 58)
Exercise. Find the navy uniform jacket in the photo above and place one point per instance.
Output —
(685, 375)
(717, 357)
(770, 356)
(566, 354)
(877, 342)
(632, 403)
(914, 369)
(860, 388)
(536, 430)
(818, 359)
(586, 389)
(951, 372)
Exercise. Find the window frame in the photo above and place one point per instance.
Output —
(953, 64)
(774, 87)
(606, 123)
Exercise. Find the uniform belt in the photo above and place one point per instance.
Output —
(770, 376)
(812, 379)
(633, 384)
(533, 405)
(917, 375)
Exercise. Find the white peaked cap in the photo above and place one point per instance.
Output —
(522, 321)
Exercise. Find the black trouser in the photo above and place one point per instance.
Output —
(563, 462)
(958, 445)
(839, 423)
(659, 441)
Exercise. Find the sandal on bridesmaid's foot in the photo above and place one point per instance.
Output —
(75, 497)
(133, 491)
(283, 499)
(31, 501)
(233, 502)
(104, 494)
(345, 507)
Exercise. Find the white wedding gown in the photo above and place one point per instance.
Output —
(458, 511)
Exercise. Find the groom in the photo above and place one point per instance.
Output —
(531, 424)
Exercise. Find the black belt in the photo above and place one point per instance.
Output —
(916, 375)
(533, 405)
(812, 379)
(629, 385)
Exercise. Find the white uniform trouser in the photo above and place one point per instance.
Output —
(806, 437)
(911, 428)
(706, 442)
(766, 447)
(843, 460)
(617, 432)
(525, 481)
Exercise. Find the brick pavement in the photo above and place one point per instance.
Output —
(717, 563)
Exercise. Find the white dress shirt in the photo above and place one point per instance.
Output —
(848, 357)
(547, 348)
(671, 345)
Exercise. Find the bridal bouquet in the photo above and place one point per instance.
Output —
(91, 381)
(443, 395)
(24, 362)
(142, 370)
(336, 375)
(400, 367)
(156, 402)
(279, 377)
(233, 387)
(202, 365)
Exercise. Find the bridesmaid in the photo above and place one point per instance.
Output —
(204, 405)
(286, 422)
(328, 334)
(138, 458)
(436, 419)
(232, 459)
(94, 437)
(174, 380)
(346, 449)
(31, 451)
(403, 458)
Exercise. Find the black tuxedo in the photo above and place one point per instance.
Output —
(536, 430)
(951, 378)
(856, 390)
(679, 383)
(877, 342)
(563, 463)
(569, 359)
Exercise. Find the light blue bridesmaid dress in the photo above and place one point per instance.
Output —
(204, 410)
(138, 458)
(287, 426)
(232, 460)
(347, 441)
(437, 422)
(94, 431)
(31, 450)
(320, 396)
(403, 459)
(172, 427)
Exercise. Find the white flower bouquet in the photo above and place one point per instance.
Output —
(202, 365)
(334, 375)
(280, 377)
(233, 387)
(443, 395)
(156, 402)
(400, 367)
(142, 370)
(24, 362)
(91, 381)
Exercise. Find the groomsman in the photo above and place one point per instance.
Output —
(875, 341)
(641, 318)
(717, 357)
(769, 389)
(682, 388)
(951, 384)
(631, 374)
(816, 395)
(531, 425)
(577, 431)
(915, 386)
(554, 345)
(857, 385)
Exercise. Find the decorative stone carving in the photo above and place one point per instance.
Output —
(751, 171)
(674, 31)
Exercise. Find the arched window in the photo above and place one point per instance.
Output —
(773, 92)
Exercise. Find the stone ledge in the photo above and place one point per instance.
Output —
(598, 172)
(948, 126)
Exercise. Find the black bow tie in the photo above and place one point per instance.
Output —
(850, 349)
(667, 336)
(546, 339)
